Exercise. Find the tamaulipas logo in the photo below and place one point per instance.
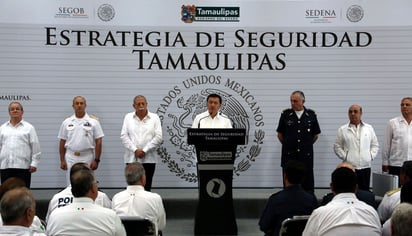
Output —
(191, 13)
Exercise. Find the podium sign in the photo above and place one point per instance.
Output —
(215, 150)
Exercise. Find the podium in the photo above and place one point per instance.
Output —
(216, 151)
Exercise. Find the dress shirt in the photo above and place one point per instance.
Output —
(357, 146)
(19, 146)
(65, 197)
(145, 134)
(388, 204)
(386, 228)
(363, 195)
(344, 215)
(36, 225)
(80, 133)
(204, 120)
(135, 201)
(18, 231)
(83, 217)
(397, 146)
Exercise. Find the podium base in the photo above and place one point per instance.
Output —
(211, 222)
(215, 214)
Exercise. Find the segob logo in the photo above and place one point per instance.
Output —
(71, 12)
(106, 12)
(183, 102)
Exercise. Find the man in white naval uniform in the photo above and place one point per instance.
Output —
(212, 118)
(65, 197)
(80, 138)
(83, 217)
(135, 201)
(392, 198)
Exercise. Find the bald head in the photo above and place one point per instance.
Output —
(355, 114)
(347, 165)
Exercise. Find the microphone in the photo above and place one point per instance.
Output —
(198, 124)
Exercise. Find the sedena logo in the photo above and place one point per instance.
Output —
(190, 13)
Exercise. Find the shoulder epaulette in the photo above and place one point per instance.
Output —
(93, 117)
(310, 110)
(286, 110)
(389, 193)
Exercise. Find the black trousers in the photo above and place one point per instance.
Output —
(149, 169)
(364, 178)
(396, 170)
(22, 174)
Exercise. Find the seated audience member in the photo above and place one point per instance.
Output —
(392, 198)
(65, 197)
(363, 195)
(345, 214)
(12, 183)
(406, 197)
(136, 201)
(83, 217)
(402, 220)
(289, 202)
(18, 209)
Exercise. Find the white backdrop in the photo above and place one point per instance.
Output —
(340, 53)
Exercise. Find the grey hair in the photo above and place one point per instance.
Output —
(302, 95)
(133, 172)
(14, 203)
(139, 96)
(401, 220)
(18, 103)
(84, 99)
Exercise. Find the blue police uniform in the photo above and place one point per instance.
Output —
(297, 143)
(292, 201)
